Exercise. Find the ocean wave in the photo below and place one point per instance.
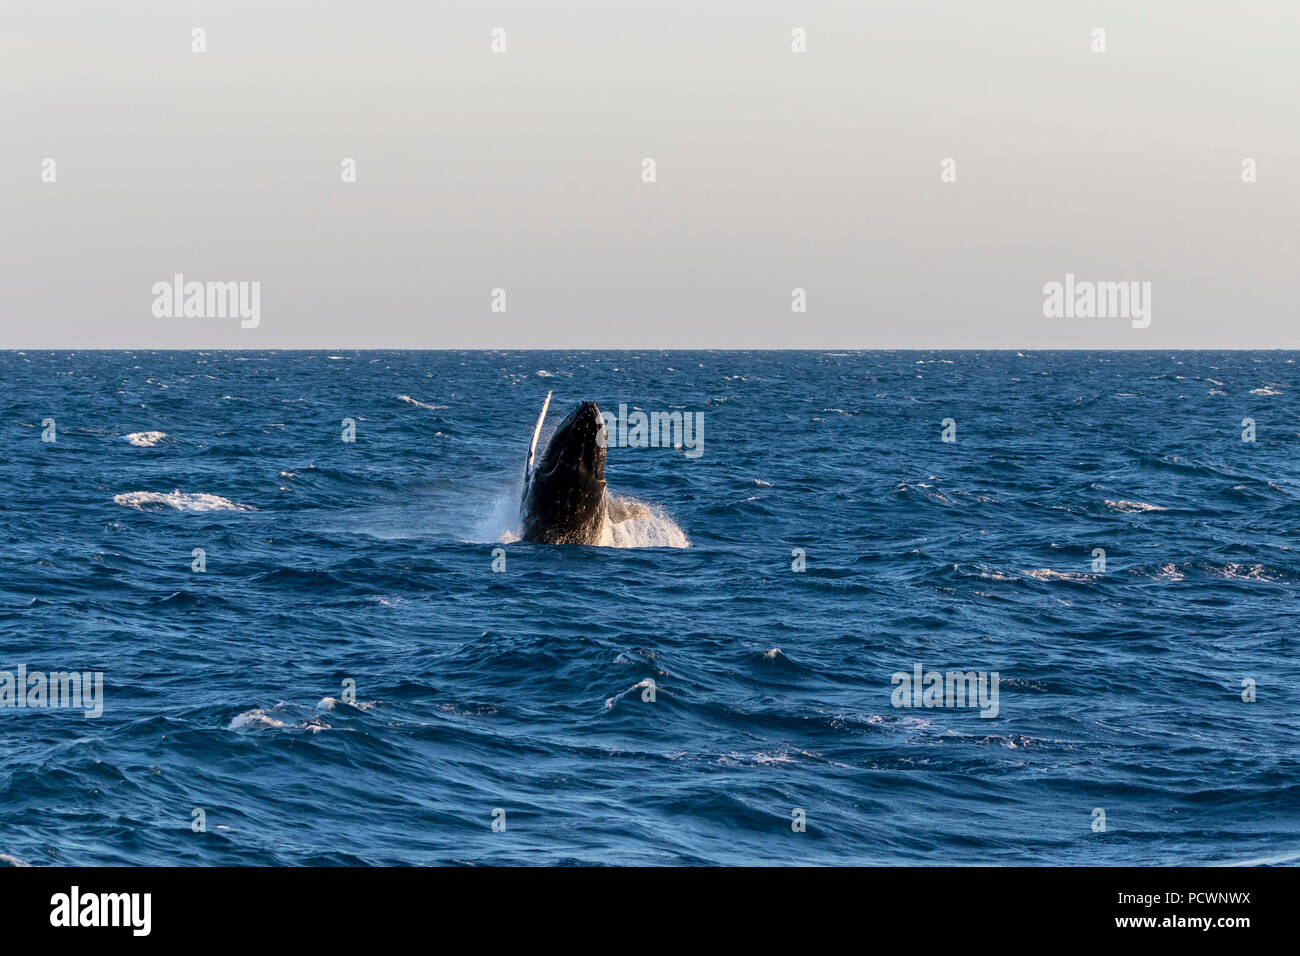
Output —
(924, 491)
(1129, 507)
(257, 717)
(146, 439)
(1169, 572)
(1227, 571)
(639, 685)
(1048, 574)
(1232, 571)
(179, 500)
(985, 573)
(762, 758)
(329, 703)
(416, 402)
(260, 719)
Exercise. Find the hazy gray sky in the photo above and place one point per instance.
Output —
(774, 170)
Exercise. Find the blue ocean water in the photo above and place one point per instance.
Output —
(521, 695)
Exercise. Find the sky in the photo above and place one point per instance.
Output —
(774, 170)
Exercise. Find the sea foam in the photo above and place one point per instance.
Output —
(198, 501)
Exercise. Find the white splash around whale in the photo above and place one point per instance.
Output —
(498, 523)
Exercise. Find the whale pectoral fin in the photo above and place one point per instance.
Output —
(532, 446)
(621, 509)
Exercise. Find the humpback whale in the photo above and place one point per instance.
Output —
(565, 500)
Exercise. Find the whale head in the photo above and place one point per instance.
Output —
(564, 500)
(578, 445)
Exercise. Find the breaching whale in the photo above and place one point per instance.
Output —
(565, 500)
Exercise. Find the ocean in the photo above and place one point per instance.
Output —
(325, 651)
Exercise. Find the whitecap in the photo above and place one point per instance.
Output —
(146, 439)
(769, 758)
(1233, 571)
(1169, 572)
(408, 398)
(256, 717)
(643, 684)
(260, 719)
(1047, 574)
(1132, 506)
(179, 500)
(329, 703)
(988, 574)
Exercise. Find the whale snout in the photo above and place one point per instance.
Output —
(588, 424)
(578, 443)
(591, 429)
